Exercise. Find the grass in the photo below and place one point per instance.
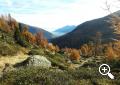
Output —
(11, 59)
(57, 60)
(8, 46)
(55, 76)
(38, 51)
(7, 49)
(42, 76)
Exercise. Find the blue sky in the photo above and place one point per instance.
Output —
(53, 14)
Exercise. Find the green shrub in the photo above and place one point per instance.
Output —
(36, 52)
(37, 76)
(42, 76)
(20, 38)
(115, 63)
(57, 60)
(6, 49)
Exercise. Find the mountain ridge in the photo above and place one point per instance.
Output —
(34, 30)
(84, 33)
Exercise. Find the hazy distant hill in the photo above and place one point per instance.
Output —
(86, 31)
(64, 30)
(34, 30)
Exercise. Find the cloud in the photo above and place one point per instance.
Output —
(27, 6)
(52, 14)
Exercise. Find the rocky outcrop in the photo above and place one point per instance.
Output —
(35, 60)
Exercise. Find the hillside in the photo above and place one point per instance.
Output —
(34, 30)
(28, 59)
(64, 30)
(86, 32)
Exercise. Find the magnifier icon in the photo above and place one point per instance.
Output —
(104, 69)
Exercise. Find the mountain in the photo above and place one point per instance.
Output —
(34, 30)
(64, 30)
(86, 32)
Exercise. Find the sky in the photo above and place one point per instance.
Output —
(54, 14)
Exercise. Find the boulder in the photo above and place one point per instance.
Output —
(37, 60)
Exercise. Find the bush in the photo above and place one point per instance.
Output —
(114, 63)
(36, 52)
(6, 49)
(20, 38)
(36, 76)
(42, 76)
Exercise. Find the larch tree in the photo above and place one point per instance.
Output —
(41, 40)
(28, 35)
(75, 55)
(39, 37)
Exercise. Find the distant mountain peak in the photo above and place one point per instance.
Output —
(64, 30)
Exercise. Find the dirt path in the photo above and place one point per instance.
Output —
(83, 62)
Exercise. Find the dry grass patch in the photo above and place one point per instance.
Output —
(11, 59)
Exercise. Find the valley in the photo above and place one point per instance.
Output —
(59, 42)
(27, 57)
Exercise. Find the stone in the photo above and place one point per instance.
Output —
(37, 60)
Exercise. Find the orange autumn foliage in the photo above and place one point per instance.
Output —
(28, 35)
(87, 50)
(39, 37)
(7, 23)
(57, 49)
(4, 25)
(110, 54)
(75, 55)
(51, 47)
(44, 43)
(41, 40)
(67, 50)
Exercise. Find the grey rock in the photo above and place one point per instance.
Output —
(37, 60)
(34, 60)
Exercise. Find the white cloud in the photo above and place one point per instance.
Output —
(8, 2)
(56, 13)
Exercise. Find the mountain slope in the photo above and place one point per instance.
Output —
(64, 30)
(86, 31)
(34, 30)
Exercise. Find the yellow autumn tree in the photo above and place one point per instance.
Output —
(57, 49)
(85, 50)
(28, 35)
(4, 25)
(51, 47)
(75, 55)
(110, 52)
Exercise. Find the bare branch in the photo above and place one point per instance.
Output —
(108, 7)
